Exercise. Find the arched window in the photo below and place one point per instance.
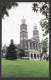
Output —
(32, 56)
(36, 46)
(38, 56)
(35, 56)
(33, 46)
(30, 45)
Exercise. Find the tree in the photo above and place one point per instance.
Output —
(7, 6)
(44, 47)
(21, 52)
(11, 52)
(43, 7)
(3, 50)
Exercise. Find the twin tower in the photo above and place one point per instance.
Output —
(24, 34)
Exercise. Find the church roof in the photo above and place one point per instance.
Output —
(32, 40)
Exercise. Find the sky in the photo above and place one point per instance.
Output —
(11, 24)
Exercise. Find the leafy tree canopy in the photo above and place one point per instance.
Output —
(7, 6)
(44, 46)
(43, 7)
(21, 52)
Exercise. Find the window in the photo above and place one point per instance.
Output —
(32, 56)
(35, 56)
(33, 46)
(36, 46)
(30, 45)
(38, 56)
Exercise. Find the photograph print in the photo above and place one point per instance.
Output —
(25, 39)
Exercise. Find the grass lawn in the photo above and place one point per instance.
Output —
(24, 68)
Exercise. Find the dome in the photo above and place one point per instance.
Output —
(23, 20)
(35, 26)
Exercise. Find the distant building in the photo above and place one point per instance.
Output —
(32, 45)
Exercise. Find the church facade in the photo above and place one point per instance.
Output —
(32, 46)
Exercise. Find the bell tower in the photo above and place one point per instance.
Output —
(36, 33)
(23, 33)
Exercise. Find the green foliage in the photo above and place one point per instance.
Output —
(21, 52)
(25, 68)
(41, 56)
(11, 51)
(44, 46)
(6, 6)
(3, 50)
(43, 7)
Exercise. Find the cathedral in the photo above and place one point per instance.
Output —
(32, 46)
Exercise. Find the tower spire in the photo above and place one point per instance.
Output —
(23, 20)
(35, 26)
(23, 33)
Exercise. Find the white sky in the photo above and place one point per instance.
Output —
(11, 24)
